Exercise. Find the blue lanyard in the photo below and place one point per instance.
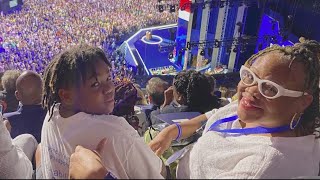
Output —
(255, 130)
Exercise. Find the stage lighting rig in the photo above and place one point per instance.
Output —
(218, 3)
(160, 7)
(239, 42)
(163, 6)
(172, 8)
(170, 55)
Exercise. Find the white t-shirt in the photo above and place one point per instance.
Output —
(216, 155)
(14, 164)
(125, 153)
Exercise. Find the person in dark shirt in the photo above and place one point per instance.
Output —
(7, 96)
(29, 117)
(155, 89)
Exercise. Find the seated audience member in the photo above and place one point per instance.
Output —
(141, 98)
(126, 97)
(212, 82)
(191, 92)
(29, 117)
(155, 93)
(270, 131)
(16, 155)
(79, 95)
(155, 89)
(8, 97)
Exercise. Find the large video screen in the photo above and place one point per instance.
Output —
(13, 3)
(7, 6)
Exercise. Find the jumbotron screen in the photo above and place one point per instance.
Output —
(9, 5)
(13, 3)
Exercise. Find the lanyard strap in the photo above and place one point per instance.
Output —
(255, 130)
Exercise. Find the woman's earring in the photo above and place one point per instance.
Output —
(293, 123)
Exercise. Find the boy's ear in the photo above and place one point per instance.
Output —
(66, 96)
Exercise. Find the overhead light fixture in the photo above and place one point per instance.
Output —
(160, 8)
(202, 53)
(188, 46)
(172, 8)
(170, 55)
(235, 49)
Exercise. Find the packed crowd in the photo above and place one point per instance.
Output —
(76, 114)
(31, 37)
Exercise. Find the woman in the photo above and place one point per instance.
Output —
(269, 131)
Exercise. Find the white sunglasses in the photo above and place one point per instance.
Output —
(268, 89)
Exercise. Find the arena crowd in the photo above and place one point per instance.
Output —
(71, 110)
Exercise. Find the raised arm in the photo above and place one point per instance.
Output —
(163, 140)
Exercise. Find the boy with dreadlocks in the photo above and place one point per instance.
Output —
(79, 95)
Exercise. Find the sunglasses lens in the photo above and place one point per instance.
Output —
(246, 77)
(268, 89)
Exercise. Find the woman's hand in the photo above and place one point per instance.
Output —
(162, 141)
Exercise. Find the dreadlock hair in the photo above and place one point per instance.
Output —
(195, 90)
(69, 69)
(306, 52)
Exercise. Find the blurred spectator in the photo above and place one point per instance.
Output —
(29, 117)
(8, 97)
(191, 92)
(141, 98)
(155, 90)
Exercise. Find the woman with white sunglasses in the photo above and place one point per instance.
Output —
(270, 131)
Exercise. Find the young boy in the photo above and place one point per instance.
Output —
(79, 95)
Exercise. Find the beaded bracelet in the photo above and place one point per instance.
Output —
(179, 131)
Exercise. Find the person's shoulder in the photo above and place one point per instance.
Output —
(222, 112)
(111, 118)
(116, 123)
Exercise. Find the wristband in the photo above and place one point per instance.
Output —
(110, 176)
(179, 131)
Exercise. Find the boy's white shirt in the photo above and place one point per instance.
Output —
(125, 153)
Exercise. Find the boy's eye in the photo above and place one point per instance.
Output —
(96, 84)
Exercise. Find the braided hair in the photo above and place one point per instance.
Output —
(306, 52)
(69, 69)
(195, 90)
